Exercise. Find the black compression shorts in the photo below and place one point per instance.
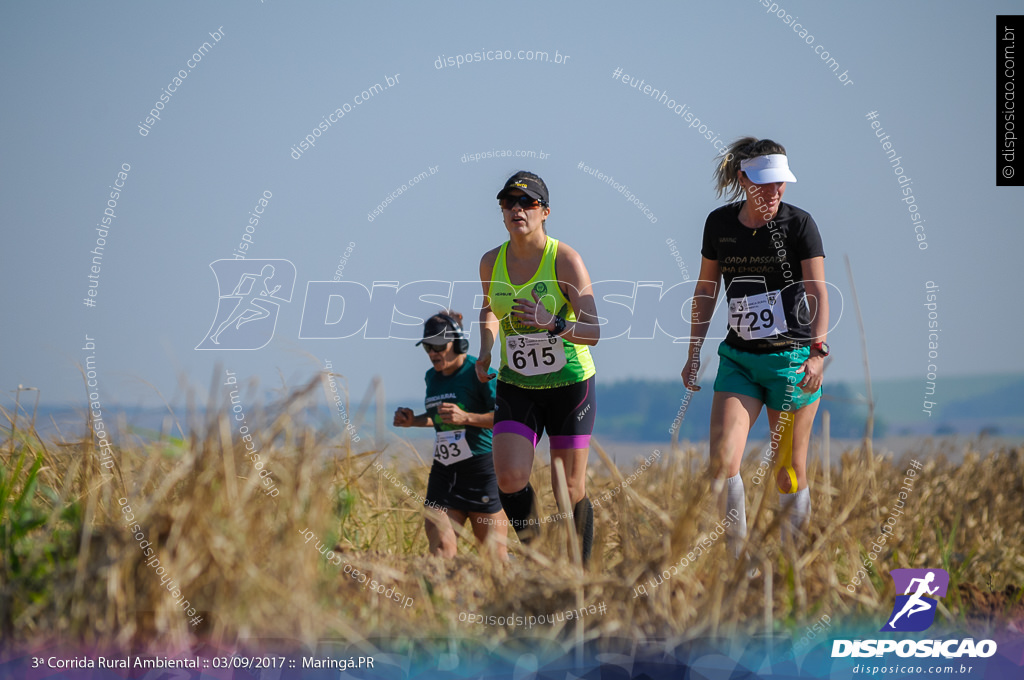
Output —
(567, 413)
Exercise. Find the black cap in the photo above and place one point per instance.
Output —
(527, 182)
(436, 330)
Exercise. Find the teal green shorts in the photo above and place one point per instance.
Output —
(771, 378)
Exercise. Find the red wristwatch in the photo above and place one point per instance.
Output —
(821, 347)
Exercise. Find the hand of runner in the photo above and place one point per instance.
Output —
(403, 417)
(483, 363)
(530, 313)
(689, 374)
(812, 370)
(451, 414)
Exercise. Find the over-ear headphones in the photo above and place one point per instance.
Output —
(459, 342)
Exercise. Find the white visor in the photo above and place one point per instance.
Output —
(767, 169)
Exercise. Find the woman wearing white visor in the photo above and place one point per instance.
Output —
(770, 256)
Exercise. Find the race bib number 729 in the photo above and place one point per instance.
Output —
(758, 316)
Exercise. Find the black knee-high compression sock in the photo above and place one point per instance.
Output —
(583, 515)
(522, 515)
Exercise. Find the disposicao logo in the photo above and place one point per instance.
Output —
(250, 295)
(914, 611)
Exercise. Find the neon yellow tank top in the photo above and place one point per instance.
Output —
(531, 357)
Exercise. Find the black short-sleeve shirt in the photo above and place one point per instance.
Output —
(764, 260)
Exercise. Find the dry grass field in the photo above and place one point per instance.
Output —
(251, 564)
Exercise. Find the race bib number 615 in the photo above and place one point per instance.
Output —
(535, 354)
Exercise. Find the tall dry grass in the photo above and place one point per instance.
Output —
(72, 572)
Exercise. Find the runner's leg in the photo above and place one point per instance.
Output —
(791, 465)
(491, 531)
(440, 535)
(513, 463)
(572, 415)
(575, 463)
(732, 416)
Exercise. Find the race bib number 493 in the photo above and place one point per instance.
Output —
(451, 447)
(758, 316)
(535, 354)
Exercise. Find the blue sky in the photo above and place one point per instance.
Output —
(79, 79)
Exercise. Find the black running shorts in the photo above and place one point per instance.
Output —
(566, 413)
(469, 485)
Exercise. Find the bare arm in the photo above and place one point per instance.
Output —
(489, 328)
(404, 417)
(813, 271)
(705, 294)
(586, 330)
(453, 415)
(574, 282)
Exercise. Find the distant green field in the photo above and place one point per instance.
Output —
(968, 396)
(643, 410)
(639, 410)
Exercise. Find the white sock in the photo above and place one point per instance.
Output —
(733, 498)
(796, 508)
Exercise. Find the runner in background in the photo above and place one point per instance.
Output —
(540, 309)
(772, 260)
(460, 408)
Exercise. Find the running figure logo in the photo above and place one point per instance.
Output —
(247, 316)
(915, 611)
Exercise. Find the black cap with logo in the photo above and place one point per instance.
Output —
(440, 329)
(436, 328)
(527, 182)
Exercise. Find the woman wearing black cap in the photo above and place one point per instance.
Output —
(540, 307)
(772, 260)
(462, 483)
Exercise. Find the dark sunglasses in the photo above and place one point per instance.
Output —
(438, 349)
(524, 202)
